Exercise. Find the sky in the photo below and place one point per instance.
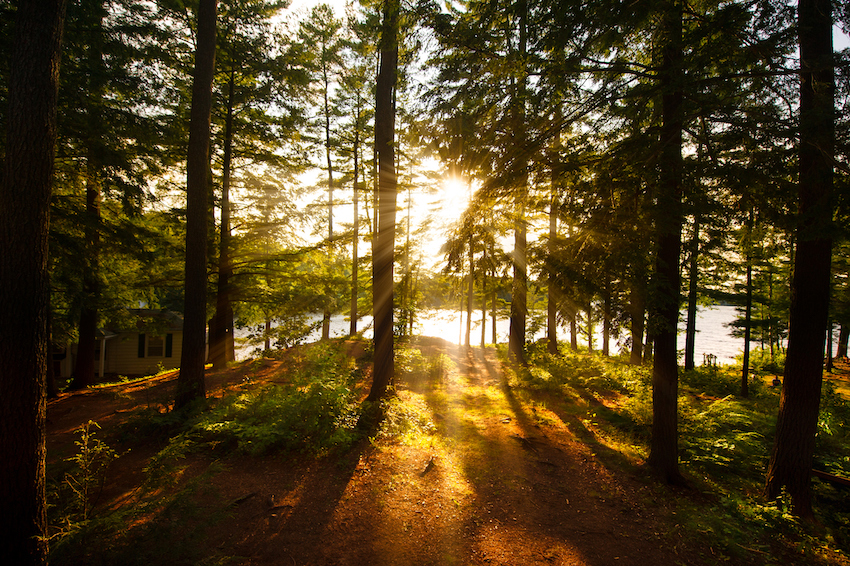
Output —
(840, 40)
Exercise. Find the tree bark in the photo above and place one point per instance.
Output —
(494, 307)
(354, 265)
(663, 456)
(637, 316)
(748, 320)
(222, 348)
(190, 383)
(552, 289)
(326, 315)
(693, 280)
(24, 279)
(606, 316)
(519, 289)
(791, 459)
(638, 286)
(484, 300)
(829, 365)
(84, 366)
(51, 387)
(470, 295)
(573, 332)
(383, 252)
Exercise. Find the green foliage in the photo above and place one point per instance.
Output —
(833, 434)
(90, 464)
(314, 418)
(178, 525)
(588, 371)
(405, 419)
(761, 361)
(721, 382)
(718, 436)
(74, 487)
(410, 363)
(724, 444)
(314, 412)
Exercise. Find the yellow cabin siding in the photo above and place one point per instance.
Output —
(122, 355)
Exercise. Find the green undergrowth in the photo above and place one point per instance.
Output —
(724, 447)
(313, 412)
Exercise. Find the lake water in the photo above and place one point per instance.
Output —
(713, 336)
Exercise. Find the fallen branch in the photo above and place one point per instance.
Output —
(241, 499)
(428, 467)
(831, 478)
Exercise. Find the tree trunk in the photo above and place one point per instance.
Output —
(84, 365)
(352, 330)
(24, 279)
(772, 338)
(791, 459)
(843, 335)
(519, 290)
(748, 323)
(829, 366)
(552, 289)
(494, 313)
(606, 316)
(190, 383)
(221, 332)
(748, 319)
(693, 280)
(638, 285)
(52, 389)
(470, 295)
(326, 315)
(407, 288)
(519, 306)
(637, 317)
(85, 362)
(484, 303)
(573, 332)
(663, 456)
(383, 253)
(460, 317)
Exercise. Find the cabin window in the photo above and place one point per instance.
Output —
(156, 346)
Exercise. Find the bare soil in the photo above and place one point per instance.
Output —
(498, 481)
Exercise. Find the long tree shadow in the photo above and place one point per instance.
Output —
(579, 423)
(292, 517)
(537, 490)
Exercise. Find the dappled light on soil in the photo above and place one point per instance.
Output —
(471, 466)
(471, 474)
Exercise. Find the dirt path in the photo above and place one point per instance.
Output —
(486, 478)
(497, 483)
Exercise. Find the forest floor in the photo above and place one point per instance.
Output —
(501, 479)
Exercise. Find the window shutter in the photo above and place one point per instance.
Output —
(169, 340)
(141, 345)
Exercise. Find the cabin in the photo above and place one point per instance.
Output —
(155, 343)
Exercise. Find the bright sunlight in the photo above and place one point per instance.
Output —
(455, 196)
